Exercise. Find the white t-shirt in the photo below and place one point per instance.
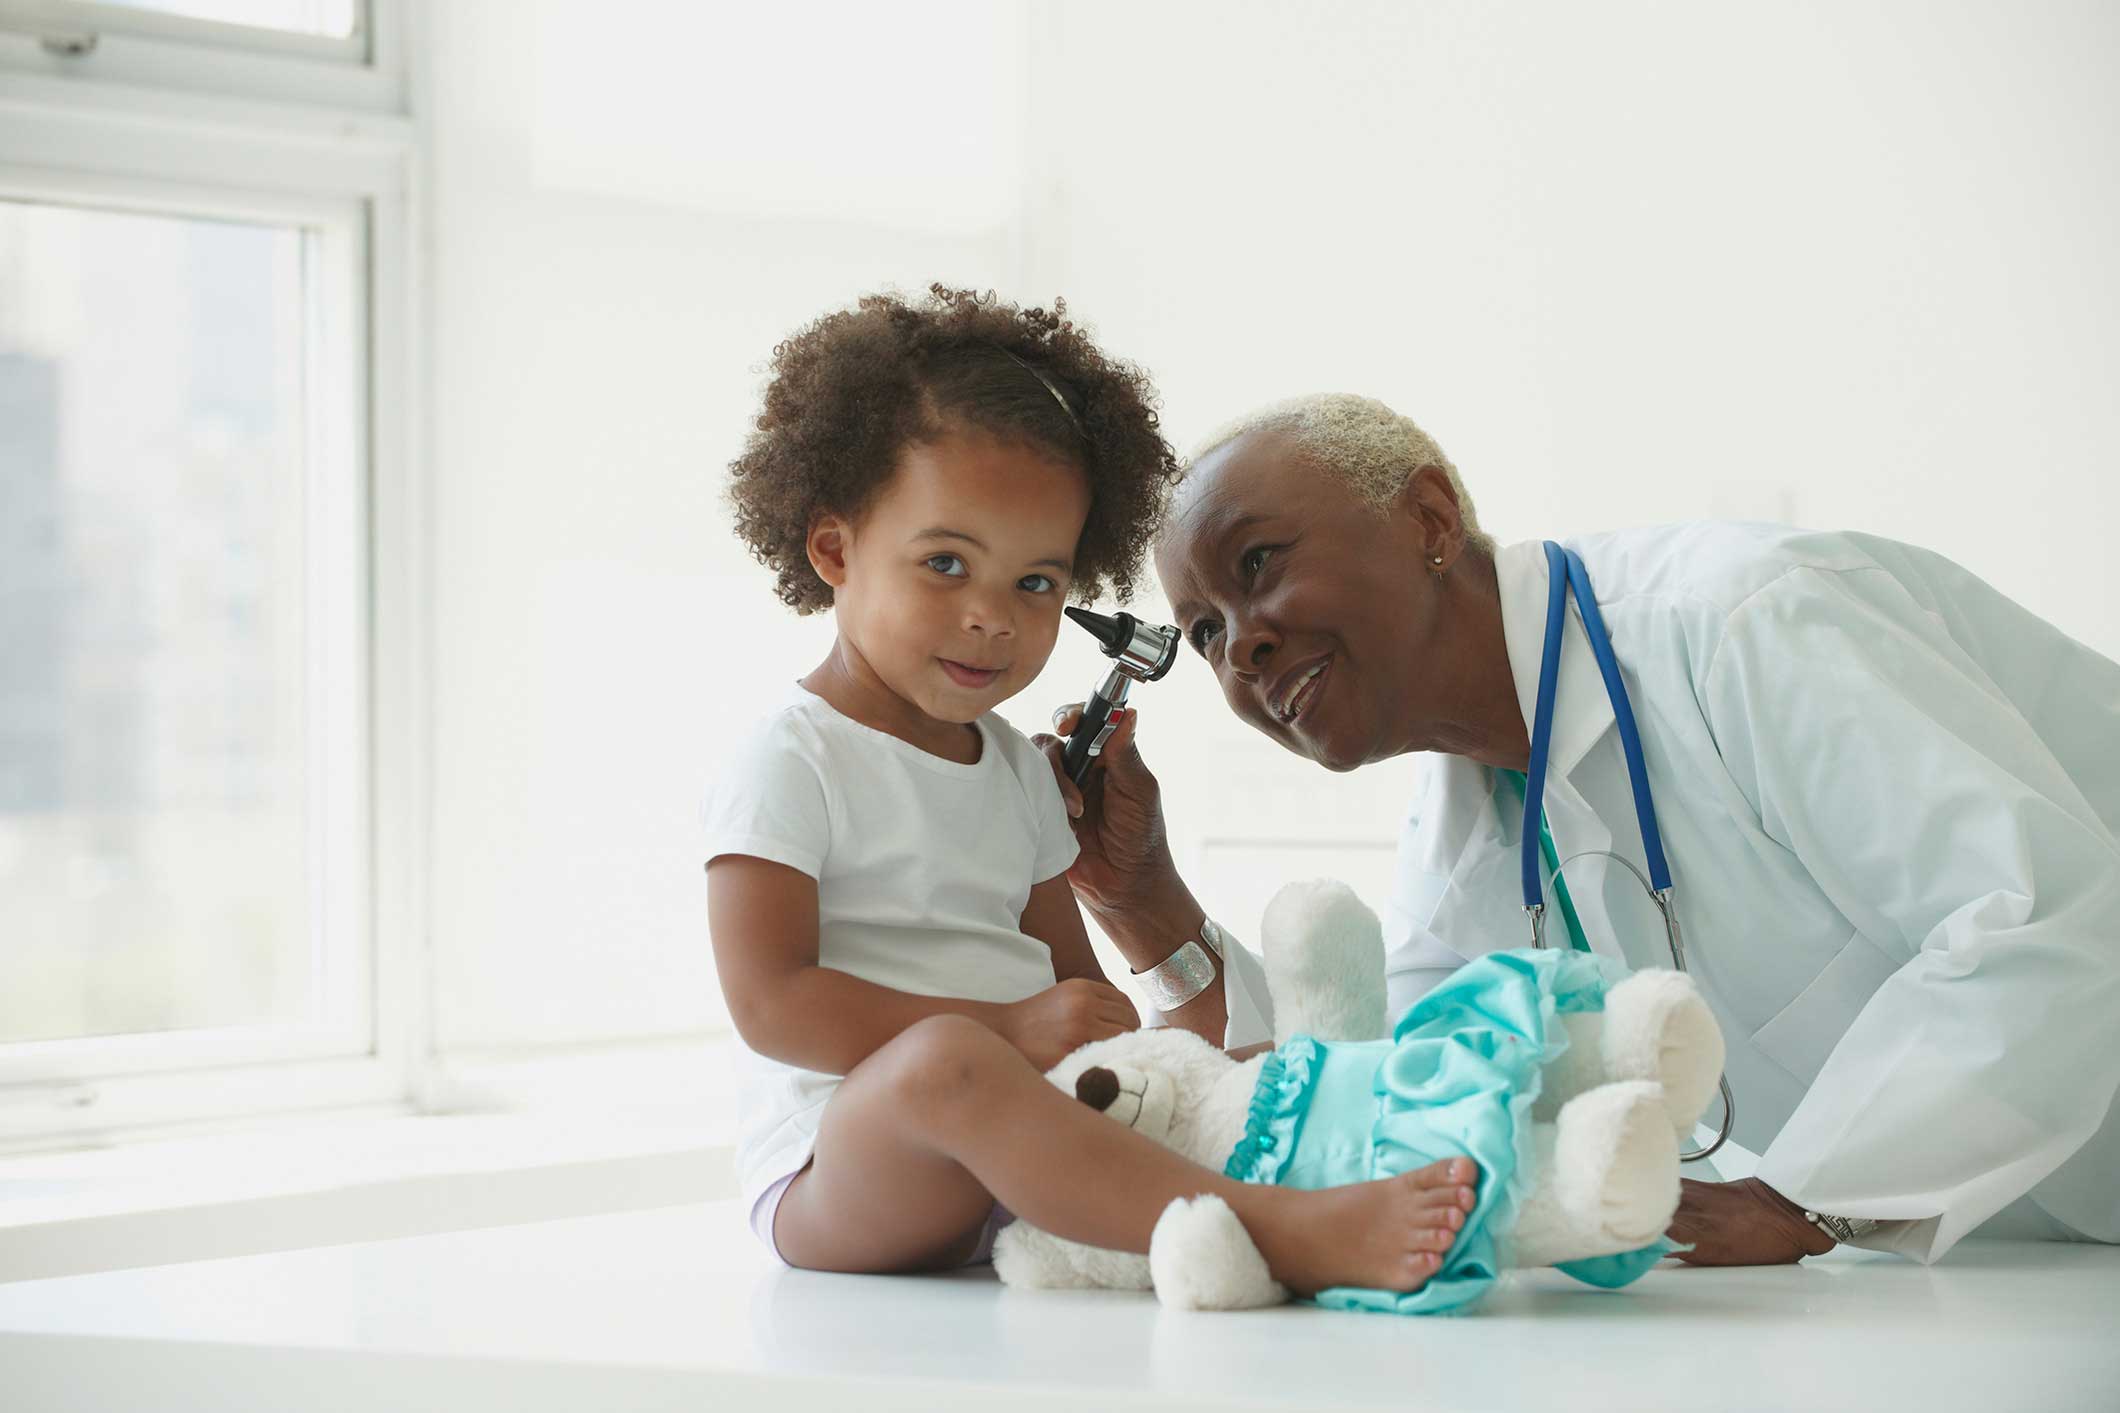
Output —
(923, 868)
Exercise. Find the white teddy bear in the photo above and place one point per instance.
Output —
(1612, 1108)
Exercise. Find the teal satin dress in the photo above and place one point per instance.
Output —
(1457, 1079)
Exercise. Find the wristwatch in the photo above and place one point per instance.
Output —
(1185, 973)
(1840, 1228)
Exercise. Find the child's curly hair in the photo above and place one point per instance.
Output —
(852, 389)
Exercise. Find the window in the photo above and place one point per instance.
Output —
(209, 702)
(334, 19)
(346, 54)
(179, 832)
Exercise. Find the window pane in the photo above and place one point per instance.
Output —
(153, 857)
(332, 18)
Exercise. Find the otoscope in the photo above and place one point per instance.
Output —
(1140, 652)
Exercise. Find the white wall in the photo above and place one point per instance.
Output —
(1845, 264)
(595, 360)
(1839, 264)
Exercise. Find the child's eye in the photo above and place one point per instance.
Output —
(1037, 583)
(949, 564)
(1254, 560)
(1202, 634)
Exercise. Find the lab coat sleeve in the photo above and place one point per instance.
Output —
(1939, 824)
(1244, 996)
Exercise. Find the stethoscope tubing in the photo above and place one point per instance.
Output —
(1566, 571)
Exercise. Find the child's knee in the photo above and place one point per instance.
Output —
(942, 1063)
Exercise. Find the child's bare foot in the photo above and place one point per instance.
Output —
(1386, 1235)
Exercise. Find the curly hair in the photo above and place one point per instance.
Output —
(851, 390)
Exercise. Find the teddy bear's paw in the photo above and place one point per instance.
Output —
(1201, 1258)
(1027, 1257)
(1658, 1028)
(1615, 1163)
(1032, 1258)
(1323, 951)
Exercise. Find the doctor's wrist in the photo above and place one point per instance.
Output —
(1805, 1233)
(1151, 928)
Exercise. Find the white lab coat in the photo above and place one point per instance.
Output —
(1889, 797)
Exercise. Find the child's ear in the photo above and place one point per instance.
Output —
(827, 547)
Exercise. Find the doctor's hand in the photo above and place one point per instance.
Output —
(1125, 863)
(1743, 1223)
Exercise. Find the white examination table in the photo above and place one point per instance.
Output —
(675, 1308)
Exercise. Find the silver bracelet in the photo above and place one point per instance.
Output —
(1840, 1228)
(1185, 973)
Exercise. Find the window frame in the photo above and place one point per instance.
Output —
(64, 18)
(60, 18)
(75, 39)
(355, 178)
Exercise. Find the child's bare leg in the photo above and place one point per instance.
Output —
(924, 1130)
(875, 1199)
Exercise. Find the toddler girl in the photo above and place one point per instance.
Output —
(887, 858)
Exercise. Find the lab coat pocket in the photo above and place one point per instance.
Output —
(1803, 1033)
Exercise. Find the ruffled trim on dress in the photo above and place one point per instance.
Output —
(1278, 1102)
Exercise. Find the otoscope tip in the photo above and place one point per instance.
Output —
(1107, 630)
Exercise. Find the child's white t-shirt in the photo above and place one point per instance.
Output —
(923, 868)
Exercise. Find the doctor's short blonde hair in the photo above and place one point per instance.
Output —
(1373, 449)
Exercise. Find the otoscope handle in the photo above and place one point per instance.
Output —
(1087, 738)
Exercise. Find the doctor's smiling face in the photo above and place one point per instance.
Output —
(1324, 615)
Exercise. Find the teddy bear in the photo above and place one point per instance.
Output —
(1611, 1074)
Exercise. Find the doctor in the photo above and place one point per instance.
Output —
(1889, 797)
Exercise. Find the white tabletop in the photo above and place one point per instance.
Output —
(677, 1308)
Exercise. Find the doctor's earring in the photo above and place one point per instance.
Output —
(1437, 561)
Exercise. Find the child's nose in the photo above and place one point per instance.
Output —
(989, 614)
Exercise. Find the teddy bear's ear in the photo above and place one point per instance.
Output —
(1097, 1087)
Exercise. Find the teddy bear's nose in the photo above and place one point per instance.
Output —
(1097, 1087)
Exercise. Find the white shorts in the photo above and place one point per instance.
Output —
(768, 1203)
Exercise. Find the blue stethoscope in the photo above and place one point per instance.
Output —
(1566, 571)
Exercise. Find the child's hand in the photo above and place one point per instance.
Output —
(1048, 1026)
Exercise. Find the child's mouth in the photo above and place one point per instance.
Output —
(965, 675)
